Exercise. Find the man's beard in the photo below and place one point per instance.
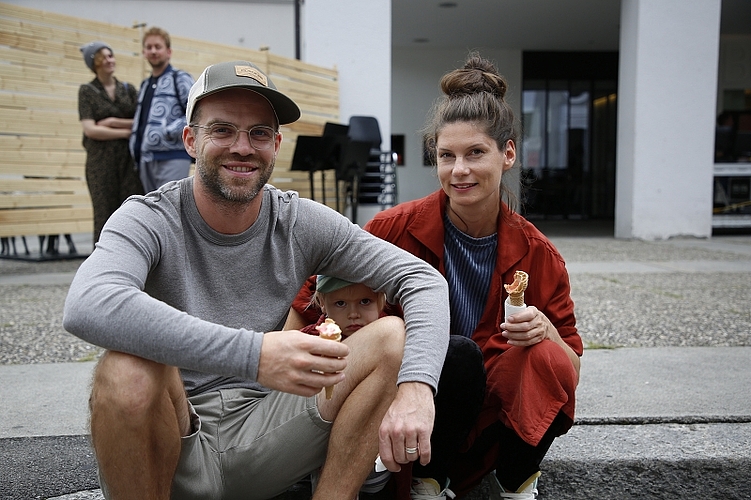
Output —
(240, 194)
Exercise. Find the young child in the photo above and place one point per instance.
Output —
(351, 306)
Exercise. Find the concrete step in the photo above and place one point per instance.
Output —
(638, 461)
(652, 423)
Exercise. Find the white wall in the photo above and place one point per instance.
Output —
(356, 38)
(248, 25)
(416, 77)
(666, 113)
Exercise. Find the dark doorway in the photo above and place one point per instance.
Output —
(569, 131)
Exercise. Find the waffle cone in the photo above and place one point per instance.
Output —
(516, 299)
(329, 330)
(516, 289)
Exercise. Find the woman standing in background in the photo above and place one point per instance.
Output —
(106, 107)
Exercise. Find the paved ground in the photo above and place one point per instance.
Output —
(663, 405)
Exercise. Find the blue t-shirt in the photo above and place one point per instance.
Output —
(469, 263)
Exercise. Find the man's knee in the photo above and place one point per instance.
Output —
(127, 383)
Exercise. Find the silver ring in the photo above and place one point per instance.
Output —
(410, 451)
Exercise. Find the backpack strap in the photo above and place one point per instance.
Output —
(177, 89)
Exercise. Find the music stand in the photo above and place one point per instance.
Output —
(354, 161)
(307, 158)
(335, 140)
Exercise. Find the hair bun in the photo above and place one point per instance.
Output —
(478, 75)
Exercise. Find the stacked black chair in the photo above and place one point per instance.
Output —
(334, 150)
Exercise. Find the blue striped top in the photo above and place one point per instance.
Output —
(469, 264)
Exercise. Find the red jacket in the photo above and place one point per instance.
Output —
(527, 387)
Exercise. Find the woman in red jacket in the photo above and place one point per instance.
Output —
(527, 366)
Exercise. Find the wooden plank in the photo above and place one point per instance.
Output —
(126, 65)
(310, 103)
(43, 185)
(45, 102)
(300, 128)
(302, 78)
(35, 200)
(51, 214)
(16, 85)
(47, 227)
(32, 44)
(75, 171)
(36, 143)
(36, 122)
(129, 40)
(50, 18)
(278, 60)
(47, 59)
(42, 158)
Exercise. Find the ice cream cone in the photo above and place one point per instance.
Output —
(515, 300)
(329, 330)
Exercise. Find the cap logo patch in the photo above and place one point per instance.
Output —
(251, 72)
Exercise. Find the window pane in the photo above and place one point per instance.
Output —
(557, 128)
(533, 121)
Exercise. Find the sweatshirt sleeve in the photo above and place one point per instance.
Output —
(107, 305)
(417, 287)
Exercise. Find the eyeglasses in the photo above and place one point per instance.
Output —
(224, 135)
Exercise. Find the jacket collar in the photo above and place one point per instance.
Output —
(427, 227)
(427, 224)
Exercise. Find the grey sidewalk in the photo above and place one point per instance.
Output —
(666, 412)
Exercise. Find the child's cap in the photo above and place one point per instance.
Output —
(328, 284)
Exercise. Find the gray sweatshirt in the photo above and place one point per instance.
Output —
(162, 285)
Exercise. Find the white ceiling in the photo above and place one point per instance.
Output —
(559, 25)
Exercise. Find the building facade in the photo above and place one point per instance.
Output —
(620, 101)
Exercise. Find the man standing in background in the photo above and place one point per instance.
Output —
(156, 140)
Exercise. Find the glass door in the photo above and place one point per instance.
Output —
(568, 149)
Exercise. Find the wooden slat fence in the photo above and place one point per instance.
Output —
(42, 185)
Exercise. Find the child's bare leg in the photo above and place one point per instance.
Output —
(358, 406)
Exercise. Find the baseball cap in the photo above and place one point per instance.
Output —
(89, 51)
(328, 284)
(244, 75)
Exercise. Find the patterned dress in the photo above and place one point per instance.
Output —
(110, 171)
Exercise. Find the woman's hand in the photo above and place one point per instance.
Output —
(102, 132)
(113, 122)
(528, 327)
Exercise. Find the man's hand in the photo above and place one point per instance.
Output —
(404, 435)
(298, 363)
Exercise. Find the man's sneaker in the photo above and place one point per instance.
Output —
(527, 491)
(429, 489)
